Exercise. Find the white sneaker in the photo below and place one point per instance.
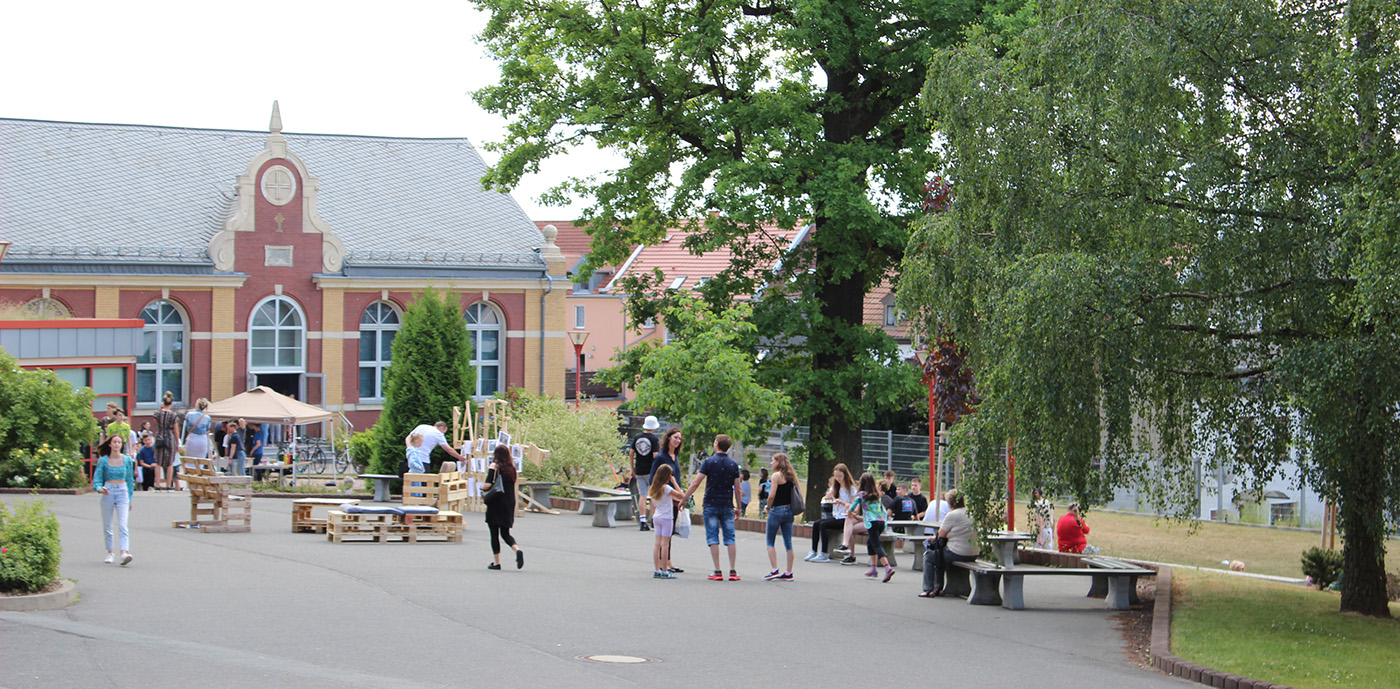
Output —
(811, 555)
(821, 557)
(109, 559)
(126, 559)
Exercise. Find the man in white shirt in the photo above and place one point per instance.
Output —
(435, 436)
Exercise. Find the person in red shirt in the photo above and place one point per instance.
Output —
(1071, 531)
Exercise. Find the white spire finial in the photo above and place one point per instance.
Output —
(276, 125)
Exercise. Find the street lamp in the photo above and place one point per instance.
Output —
(578, 338)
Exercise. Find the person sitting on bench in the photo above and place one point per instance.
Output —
(956, 542)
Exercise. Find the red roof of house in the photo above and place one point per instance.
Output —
(572, 240)
(873, 312)
(682, 269)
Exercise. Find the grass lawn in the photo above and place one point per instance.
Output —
(1281, 633)
(1263, 551)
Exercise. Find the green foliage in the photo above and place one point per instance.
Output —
(363, 445)
(582, 444)
(703, 380)
(29, 547)
(1323, 566)
(429, 373)
(42, 467)
(42, 420)
(1172, 239)
(735, 119)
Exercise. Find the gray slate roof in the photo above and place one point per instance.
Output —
(79, 192)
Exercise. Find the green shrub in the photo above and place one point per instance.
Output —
(41, 411)
(1323, 566)
(362, 447)
(43, 467)
(29, 547)
(582, 444)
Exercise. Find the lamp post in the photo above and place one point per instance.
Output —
(578, 338)
(930, 378)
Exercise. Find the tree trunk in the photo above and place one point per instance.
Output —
(1362, 517)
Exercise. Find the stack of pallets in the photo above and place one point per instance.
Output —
(384, 528)
(218, 504)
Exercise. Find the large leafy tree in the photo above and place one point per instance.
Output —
(777, 113)
(1175, 241)
(703, 379)
(430, 372)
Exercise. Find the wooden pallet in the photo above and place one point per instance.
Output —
(218, 504)
(302, 518)
(344, 527)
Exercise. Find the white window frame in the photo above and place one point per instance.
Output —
(474, 331)
(162, 330)
(890, 317)
(382, 359)
(579, 319)
(276, 329)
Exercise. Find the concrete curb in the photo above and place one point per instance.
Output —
(66, 594)
(80, 490)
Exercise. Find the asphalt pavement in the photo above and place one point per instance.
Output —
(273, 609)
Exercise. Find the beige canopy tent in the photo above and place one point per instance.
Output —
(264, 405)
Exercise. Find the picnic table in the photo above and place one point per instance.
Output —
(914, 533)
(588, 495)
(1004, 545)
(381, 485)
(539, 494)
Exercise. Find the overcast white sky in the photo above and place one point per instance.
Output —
(382, 69)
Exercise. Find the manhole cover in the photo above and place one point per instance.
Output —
(623, 660)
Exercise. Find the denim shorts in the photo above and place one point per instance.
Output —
(717, 519)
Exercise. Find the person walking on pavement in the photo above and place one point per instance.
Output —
(643, 450)
(721, 475)
(500, 506)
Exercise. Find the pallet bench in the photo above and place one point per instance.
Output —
(604, 509)
(1120, 582)
(344, 527)
(447, 492)
(588, 494)
(216, 501)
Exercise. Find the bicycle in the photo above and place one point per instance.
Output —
(303, 449)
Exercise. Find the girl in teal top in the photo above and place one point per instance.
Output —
(114, 477)
(873, 515)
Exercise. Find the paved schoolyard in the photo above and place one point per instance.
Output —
(275, 609)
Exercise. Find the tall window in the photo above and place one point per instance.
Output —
(578, 318)
(484, 329)
(378, 325)
(161, 364)
(277, 337)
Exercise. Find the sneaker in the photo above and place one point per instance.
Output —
(109, 559)
(677, 570)
(733, 575)
(842, 549)
(717, 576)
(872, 572)
(665, 575)
(821, 557)
(493, 566)
(889, 574)
(519, 559)
(771, 575)
(811, 555)
(785, 576)
(656, 574)
(126, 559)
(848, 560)
(643, 526)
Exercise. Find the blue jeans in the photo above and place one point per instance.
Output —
(717, 519)
(117, 500)
(235, 465)
(780, 517)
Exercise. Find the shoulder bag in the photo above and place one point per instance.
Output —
(799, 504)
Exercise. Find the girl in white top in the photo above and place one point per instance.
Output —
(839, 496)
(663, 494)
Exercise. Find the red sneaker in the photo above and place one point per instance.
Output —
(717, 576)
(733, 575)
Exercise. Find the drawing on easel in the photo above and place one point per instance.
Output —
(503, 438)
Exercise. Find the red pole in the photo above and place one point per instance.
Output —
(1011, 486)
(932, 447)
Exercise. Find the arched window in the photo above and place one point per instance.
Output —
(484, 329)
(44, 308)
(277, 337)
(378, 325)
(161, 364)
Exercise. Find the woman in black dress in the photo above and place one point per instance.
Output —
(500, 506)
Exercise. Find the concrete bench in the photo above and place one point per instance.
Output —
(586, 507)
(1099, 586)
(604, 509)
(918, 540)
(1120, 583)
